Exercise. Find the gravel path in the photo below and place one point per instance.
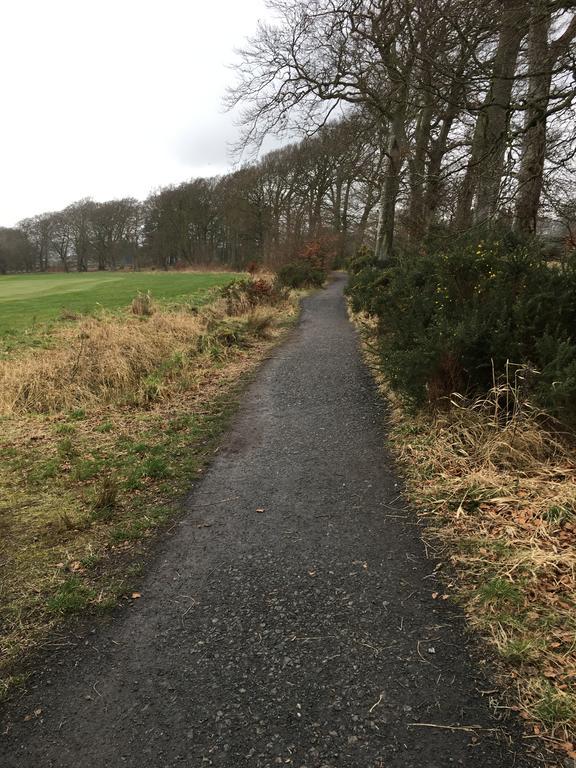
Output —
(302, 635)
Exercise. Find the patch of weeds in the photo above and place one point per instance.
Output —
(133, 531)
(90, 561)
(180, 424)
(105, 499)
(174, 363)
(66, 449)
(143, 304)
(427, 470)
(513, 622)
(107, 426)
(498, 591)
(65, 429)
(67, 522)
(152, 388)
(87, 469)
(139, 527)
(78, 414)
(140, 448)
(554, 708)
(500, 547)
(134, 481)
(557, 514)
(156, 468)
(409, 429)
(10, 683)
(72, 596)
(476, 546)
(519, 651)
(106, 604)
(44, 470)
(473, 497)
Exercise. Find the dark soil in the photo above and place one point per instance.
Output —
(288, 618)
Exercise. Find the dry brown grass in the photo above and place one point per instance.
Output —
(497, 489)
(99, 437)
(101, 360)
(142, 304)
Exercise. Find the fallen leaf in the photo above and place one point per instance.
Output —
(135, 595)
(260, 510)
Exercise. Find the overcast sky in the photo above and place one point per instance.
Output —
(112, 98)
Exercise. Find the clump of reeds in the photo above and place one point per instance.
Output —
(143, 304)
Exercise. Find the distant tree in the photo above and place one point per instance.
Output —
(79, 217)
(16, 251)
(38, 230)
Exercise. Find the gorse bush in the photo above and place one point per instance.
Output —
(451, 320)
(300, 274)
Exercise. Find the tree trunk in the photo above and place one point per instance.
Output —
(486, 165)
(541, 60)
(384, 249)
(417, 164)
(531, 171)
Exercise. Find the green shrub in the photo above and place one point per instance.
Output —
(453, 319)
(300, 274)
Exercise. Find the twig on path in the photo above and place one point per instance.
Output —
(212, 503)
(467, 728)
(373, 707)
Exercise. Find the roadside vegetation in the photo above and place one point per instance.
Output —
(101, 435)
(33, 306)
(473, 346)
(441, 134)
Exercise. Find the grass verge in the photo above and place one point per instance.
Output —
(33, 306)
(97, 452)
(496, 487)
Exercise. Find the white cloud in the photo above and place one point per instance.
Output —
(114, 97)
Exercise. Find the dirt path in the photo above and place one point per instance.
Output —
(304, 635)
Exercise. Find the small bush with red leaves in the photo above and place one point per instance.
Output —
(320, 252)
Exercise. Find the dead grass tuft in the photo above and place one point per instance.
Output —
(143, 305)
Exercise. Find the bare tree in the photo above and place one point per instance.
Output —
(544, 66)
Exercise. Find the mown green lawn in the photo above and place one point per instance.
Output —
(28, 301)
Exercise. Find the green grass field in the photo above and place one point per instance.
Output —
(30, 301)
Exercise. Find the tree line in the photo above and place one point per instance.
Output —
(472, 103)
(416, 118)
(325, 185)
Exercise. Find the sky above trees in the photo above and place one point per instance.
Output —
(110, 99)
